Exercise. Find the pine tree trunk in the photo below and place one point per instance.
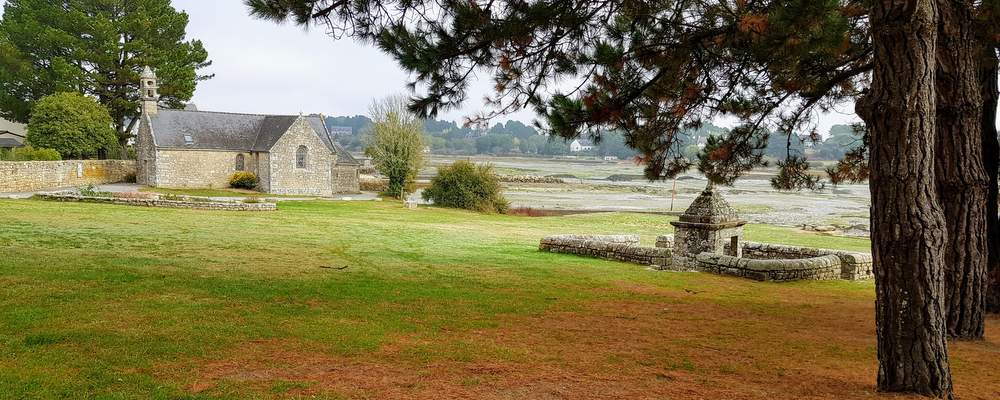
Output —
(960, 173)
(991, 156)
(908, 228)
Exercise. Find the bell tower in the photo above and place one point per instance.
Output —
(149, 92)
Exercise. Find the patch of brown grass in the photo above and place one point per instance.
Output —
(668, 345)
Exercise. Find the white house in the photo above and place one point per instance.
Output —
(581, 144)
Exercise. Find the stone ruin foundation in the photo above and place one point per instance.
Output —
(709, 238)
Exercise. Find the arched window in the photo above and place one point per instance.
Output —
(240, 162)
(300, 157)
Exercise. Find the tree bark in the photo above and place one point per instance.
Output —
(908, 228)
(960, 172)
(991, 157)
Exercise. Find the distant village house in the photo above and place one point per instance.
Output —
(200, 149)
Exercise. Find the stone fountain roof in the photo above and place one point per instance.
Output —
(711, 208)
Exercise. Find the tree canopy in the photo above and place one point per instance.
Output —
(72, 124)
(647, 69)
(98, 48)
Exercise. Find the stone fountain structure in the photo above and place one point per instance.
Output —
(709, 225)
(708, 237)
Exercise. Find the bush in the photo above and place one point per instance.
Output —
(29, 153)
(243, 180)
(466, 185)
(91, 191)
(73, 124)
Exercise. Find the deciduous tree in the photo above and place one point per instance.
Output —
(395, 144)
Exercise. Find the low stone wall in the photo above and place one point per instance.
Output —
(28, 176)
(610, 247)
(199, 205)
(816, 268)
(529, 179)
(854, 266)
(665, 241)
(760, 261)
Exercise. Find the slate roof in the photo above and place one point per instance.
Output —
(229, 131)
(13, 127)
(9, 143)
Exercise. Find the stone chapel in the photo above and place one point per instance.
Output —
(200, 149)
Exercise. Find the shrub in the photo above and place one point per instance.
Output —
(91, 191)
(243, 180)
(73, 124)
(29, 153)
(466, 185)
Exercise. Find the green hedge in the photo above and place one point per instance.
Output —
(29, 153)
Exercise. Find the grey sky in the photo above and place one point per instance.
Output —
(268, 68)
(261, 67)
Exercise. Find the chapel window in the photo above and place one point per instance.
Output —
(300, 157)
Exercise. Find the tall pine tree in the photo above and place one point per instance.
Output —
(98, 48)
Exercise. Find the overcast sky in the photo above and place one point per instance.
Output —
(261, 67)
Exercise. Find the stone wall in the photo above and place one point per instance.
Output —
(529, 179)
(148, 202)
(197, 168)
(665, 241)
(315, 178)
(263, 164)
(27, 176)
(346, 179)
(610, 247)
(691, 242)
(816, 268)
(854, 266)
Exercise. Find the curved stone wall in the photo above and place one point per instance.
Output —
(760, 261)
(814, 268)
(610, 247)
(854, 266)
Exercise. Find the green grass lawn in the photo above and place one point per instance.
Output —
(104, 301)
